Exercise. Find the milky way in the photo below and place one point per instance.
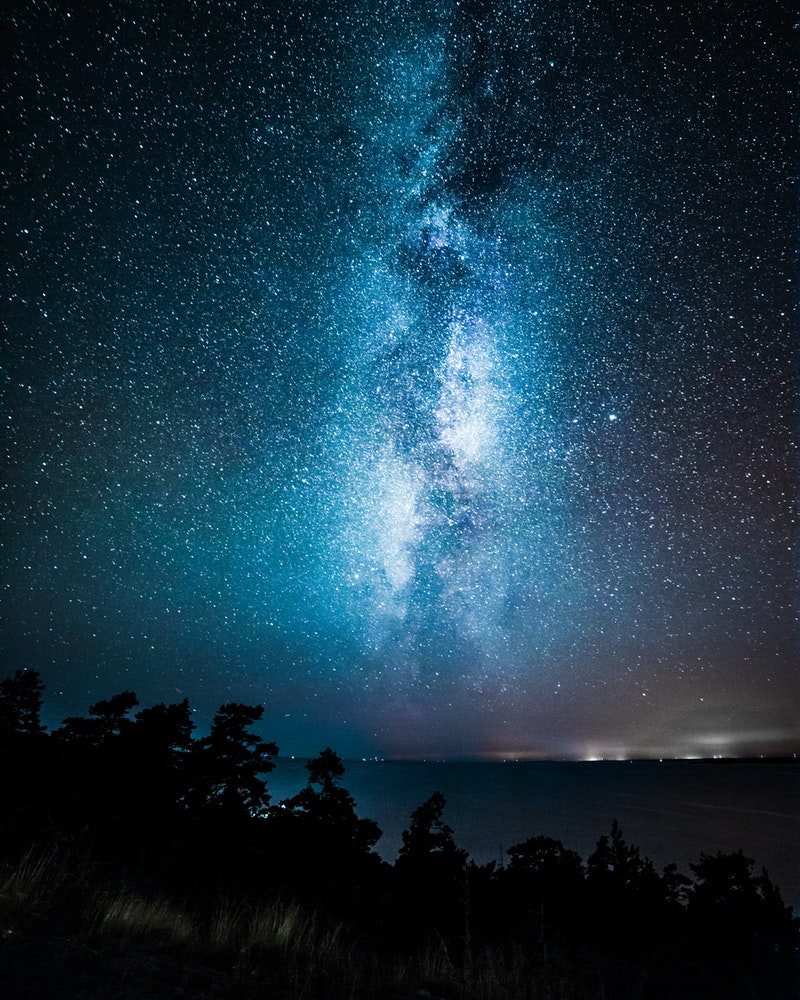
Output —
(425, 375)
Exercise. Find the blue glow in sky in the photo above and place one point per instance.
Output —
(424, 375)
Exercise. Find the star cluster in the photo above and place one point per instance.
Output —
(425, 375)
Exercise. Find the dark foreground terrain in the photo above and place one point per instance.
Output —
(141, 862)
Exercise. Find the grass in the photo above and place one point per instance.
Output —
(50, 916)
(289, 929)
(35, 880)
(64, 933)
(130, 914)
(276, 950)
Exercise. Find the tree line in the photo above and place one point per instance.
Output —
(133, 794)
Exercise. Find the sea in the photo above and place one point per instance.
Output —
(671, 810)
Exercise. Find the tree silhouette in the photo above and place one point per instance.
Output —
(428, 836)
(543, 877)
(623, 888)
(21, 705)
(316, 846)
(324, 804)
(616, 867)
(159, 746)
(94, 793)
(741, 918)
(432, 877)
(729, 896)
(25, 765)
(107, 719)
(545, 859)
(138, 799)
(165, 731)
(675, 886)
(324, 801)
(613, 861)
(325, 771)
(228, 763)
(153, 775)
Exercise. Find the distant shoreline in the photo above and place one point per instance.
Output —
(765, 759)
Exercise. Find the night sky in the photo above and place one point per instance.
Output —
(423, 372)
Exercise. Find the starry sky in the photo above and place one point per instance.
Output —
(423, 372)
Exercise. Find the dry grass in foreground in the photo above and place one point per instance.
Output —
(66, 936)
